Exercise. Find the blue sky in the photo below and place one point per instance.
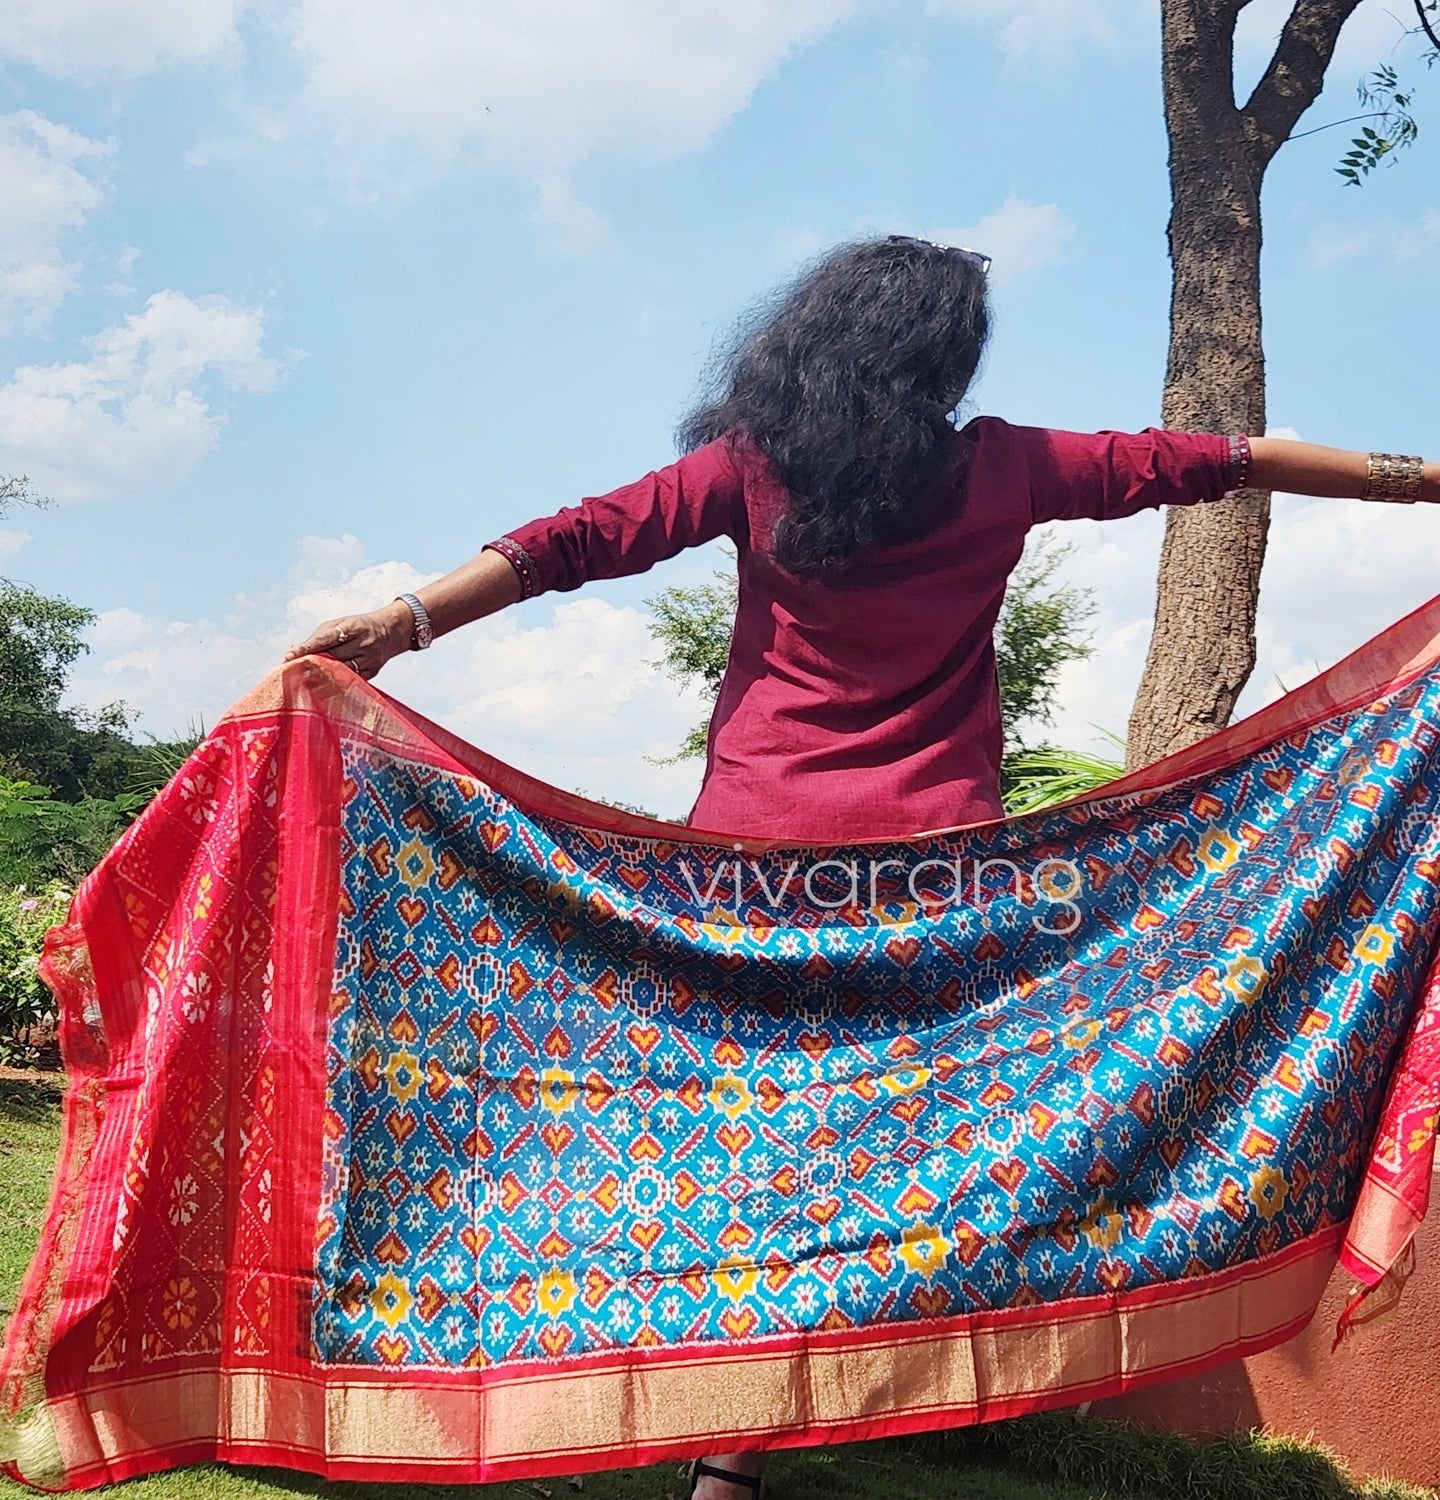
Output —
(303, 301)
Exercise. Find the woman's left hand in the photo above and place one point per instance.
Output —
(365, 642)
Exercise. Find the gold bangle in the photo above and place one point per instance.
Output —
(1393, 477)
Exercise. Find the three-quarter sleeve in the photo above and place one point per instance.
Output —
(1104, 475)
(694, 500)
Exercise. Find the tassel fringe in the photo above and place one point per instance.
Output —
(30, 1442)
(1371, 1305)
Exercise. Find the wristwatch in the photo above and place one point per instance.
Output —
(423, 633)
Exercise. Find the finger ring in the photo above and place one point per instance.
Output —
(340, 636)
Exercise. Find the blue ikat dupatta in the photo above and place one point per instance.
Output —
(428, 1123)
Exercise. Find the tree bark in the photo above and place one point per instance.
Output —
(1202, 649)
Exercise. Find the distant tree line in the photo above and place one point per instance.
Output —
(70, 778)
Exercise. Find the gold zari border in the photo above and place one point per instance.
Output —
(772, 1396)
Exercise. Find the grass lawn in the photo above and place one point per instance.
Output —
(1054, 1457)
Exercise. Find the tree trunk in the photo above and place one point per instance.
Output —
(1202, 650)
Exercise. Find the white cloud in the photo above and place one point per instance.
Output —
(575, 701)
(1117, 561)
(1049, 27)
(87, 40)
(537, 86)
(1059, 29)
(47, 196)
(134, 417)
(561, 689)
(543, 83)
(568, 227)
(1400, 239)
(1336, 573)
(794, 246)
(1019, 236)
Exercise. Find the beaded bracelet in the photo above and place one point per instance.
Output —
(520, 560)
(1237, 467)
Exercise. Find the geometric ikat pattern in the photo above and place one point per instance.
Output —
(589, 1091)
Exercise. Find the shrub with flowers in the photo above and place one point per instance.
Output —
(27, 1008)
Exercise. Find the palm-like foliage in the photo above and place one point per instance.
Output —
(158, 761)
(1047, 776)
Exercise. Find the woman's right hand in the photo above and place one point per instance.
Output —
(363, 642)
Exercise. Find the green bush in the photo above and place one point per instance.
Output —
(25, 1003)
(43, 840)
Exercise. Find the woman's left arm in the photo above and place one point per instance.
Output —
(366, 641)
(1105, 475)
(1310, 469)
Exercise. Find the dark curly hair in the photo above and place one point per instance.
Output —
(846, 383)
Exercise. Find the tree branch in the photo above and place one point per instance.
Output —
(1296, 73)
(1375, 114)
(1425, 25)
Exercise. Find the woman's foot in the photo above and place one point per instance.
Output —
(746, 1467)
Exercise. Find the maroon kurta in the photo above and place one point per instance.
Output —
(867, 705)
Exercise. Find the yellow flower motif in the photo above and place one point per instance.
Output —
(723, 926)
(558, 1090)
(905, 1080)
(1104, 1225)
(1353, 768)
(204, 889)
(736, 1277)
(1245, 978)
(898, 913)
(1268, 1191)
(923, 1249)
(391, 1300)
(557, 1292)
(180, 1303)
(269, 881)
(1078, 1034)
(1218, 851)
(1376, 944)
(731, 1095)
(415, 864)
(402, 1073)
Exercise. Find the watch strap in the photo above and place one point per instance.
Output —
(424, 634)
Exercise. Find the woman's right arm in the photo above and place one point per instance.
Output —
(696, 499)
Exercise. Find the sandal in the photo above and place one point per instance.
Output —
(699, 1470)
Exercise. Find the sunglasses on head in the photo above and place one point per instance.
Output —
(973, 256)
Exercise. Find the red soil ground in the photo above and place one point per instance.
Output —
(1375, 1401)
